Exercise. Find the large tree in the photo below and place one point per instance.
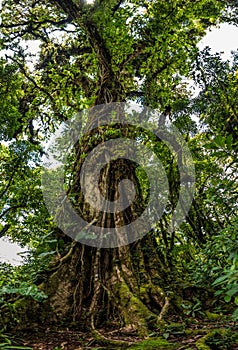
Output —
(97, 54)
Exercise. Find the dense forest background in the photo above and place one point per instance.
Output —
(172, 288)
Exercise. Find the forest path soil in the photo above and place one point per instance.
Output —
(176, 337)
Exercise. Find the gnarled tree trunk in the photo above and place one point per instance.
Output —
(96, 287)
(121, 286)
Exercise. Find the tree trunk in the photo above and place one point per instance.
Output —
(121, 286)
(95, 287)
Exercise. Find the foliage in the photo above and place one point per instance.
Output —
(222, 339)
(215, 267)
(24, 289)
(193, 310)
(6, 343)
(228, 281)
(216, 103)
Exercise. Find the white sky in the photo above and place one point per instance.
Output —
(222, 39)
(9, 252)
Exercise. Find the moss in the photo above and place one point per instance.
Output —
(59, 289)
(201, 344)
(193, 332)
(135, 311)
(153, 344)
(25, 312)
(173, 326)
(144, 293)
(21, 305)
(218, 339)
(212, 316)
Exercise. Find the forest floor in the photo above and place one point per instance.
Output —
(191, 335)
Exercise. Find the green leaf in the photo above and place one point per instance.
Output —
(220, 141)
(227, 298)
(43, 255)
(229, 142)
(235, 315)
(219, 280)
(233, 291)
(166, 335)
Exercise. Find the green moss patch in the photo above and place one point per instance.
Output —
(153, 344)
(219, 339)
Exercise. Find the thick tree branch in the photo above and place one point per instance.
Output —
(66, 52)
(69, 7)
(117, 6)
(4, 230)
(8, 185)
(38, 24)
(9, 209)
(135, 94)
(94, 37)
(137, 52)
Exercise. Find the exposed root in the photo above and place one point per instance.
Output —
(78, 303)
(105, 340)
(97, 284)
(164, 309)
(67, 256)
(92, 308)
